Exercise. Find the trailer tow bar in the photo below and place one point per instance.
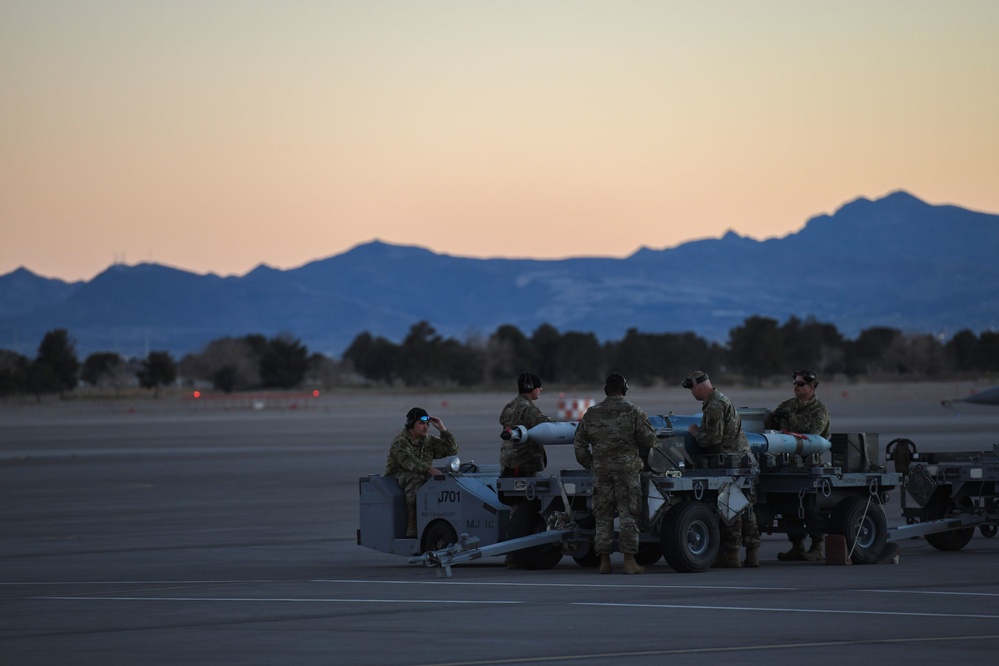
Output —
(467, 550)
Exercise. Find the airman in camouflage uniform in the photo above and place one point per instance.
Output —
(523, 458)
(806, 415)
(411, 456)
(612, 440)
(721, 431)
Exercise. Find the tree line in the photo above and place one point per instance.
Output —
(228, 364)
(758, 349)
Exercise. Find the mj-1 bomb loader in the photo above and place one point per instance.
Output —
(471, 512)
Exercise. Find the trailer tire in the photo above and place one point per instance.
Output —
(861, 521)
(525, 521)
(690, 537)
(938, 508)
(439, 535)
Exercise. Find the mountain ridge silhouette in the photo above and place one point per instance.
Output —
(895, 261)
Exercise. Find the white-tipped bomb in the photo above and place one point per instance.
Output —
(774, 442)
(771, 441)
(558, 432)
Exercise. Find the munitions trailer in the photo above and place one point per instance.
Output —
(471, 512)
(952, 494)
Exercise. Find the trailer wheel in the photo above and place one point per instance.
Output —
(988, 530)
(648, 554)
(525, 521)
(438, 535)
(690, 537)
(861, 521)
(938, 508)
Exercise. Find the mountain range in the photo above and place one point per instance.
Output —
(895, 261)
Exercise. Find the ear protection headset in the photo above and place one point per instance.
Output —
(808, 376)
(696, 378)
(615, 381)
(525, 382)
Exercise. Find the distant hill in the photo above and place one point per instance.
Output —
(896, 261)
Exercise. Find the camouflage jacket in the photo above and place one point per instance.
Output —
(524, 457)
(805, 418)
(408, 457)
(721, 426)
(614, 436)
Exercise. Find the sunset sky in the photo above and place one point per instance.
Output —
(215, 135)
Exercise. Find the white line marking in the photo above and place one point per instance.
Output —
(358, 581)
(958, 594)
(267, 600)
(147, 582)
(785, 610)
(618, 656)
(559, 585)
(434, 581)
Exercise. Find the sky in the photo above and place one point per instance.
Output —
(216, 136)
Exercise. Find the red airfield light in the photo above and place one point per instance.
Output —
(315, 393)
(197, 394)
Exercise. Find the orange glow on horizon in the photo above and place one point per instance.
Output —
(216, 137)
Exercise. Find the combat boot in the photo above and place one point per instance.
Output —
(752, 558)
(605, 565)
(631, 566)
(814, 554)
(727, 559)
(796, 553)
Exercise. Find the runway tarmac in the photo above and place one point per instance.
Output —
(168, 532)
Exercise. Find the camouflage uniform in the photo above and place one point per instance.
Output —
(613, 439)
(522, 458)
(408, 462)
(804, 418)
(721, 432)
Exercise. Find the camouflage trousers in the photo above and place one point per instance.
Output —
(743, 531)
(410, 483)
(620, 493)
